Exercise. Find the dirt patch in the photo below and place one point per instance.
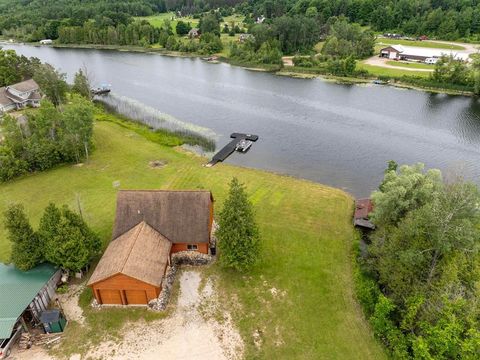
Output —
(69, 303)
(186, 334)
(157, 164)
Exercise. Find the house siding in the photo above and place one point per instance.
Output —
(122, 284)
(201, 247)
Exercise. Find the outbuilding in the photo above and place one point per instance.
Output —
(149, 226)
(420, 54)
(25, 293)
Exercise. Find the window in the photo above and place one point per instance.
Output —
(192, 247)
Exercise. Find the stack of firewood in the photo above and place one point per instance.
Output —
(25, 341)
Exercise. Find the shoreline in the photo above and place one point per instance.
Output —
(289, 71)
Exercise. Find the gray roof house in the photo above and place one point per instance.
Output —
(18, 96)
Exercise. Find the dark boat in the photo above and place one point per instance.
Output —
(100, 91)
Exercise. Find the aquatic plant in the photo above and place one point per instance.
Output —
(158, 121)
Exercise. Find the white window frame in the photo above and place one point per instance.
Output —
(192, 247)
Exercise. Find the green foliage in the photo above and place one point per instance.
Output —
(210, 43)
(52, 83)
(27, 249)
(15, 68)
(238, 237)
(210, 23)
(49, 136)
(449, 70)
(69, 243)
(182, 28)
(425, 257)
(347, 40)
(81, 85)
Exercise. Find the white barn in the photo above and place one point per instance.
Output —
(415, 53)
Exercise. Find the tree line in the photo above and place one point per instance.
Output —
(63, 238)
(60, 131)
(419, 279)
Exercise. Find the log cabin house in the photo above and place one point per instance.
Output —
(149, 227)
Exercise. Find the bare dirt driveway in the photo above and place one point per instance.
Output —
(197, 330)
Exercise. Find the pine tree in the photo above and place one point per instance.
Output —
(238, 236)
(27, 250)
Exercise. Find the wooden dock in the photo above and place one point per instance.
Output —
(228, 149)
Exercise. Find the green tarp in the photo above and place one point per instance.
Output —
(17, 290)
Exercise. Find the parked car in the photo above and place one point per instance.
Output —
(6, 344)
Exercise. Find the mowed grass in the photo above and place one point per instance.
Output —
(411, 65)
(381, 71)
(299, 298)
(425, 44)
(158, 20)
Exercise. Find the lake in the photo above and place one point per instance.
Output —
(340, 135)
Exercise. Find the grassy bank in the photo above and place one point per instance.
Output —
(306, 234)
(411, 65)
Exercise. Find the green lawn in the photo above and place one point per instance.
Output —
(411, 65)
(426, 44)
(307, 239)
(157, 20)
(381, 71)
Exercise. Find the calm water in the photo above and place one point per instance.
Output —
(340, 135)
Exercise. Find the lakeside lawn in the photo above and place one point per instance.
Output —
(307, 239)
(425, 44)
(382, 71)
(411, 65)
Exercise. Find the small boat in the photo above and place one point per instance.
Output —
(243, 145)
(101, 90)
(380, 82)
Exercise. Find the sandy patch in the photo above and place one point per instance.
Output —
(69, 303)
(186, 334)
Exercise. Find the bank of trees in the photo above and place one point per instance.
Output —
(15, 68)
(63, 238)
(421, 292)
(44, 138)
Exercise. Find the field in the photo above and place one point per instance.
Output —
(306, 231)
(425, 44)
(382, 71)
(157, 20)
(411, 65)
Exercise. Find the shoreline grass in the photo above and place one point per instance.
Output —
(306, 233)
(411, 65)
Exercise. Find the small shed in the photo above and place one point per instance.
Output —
(25, 292)
(194, 33)
(53, 321)
(363, 208)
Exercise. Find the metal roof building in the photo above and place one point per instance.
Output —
(21, 290)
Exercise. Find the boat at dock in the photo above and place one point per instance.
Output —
(241, 143)
(101, 90)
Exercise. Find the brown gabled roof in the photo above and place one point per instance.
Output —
(27, 85)
(141, 253)
(180, 216)
(363, 207)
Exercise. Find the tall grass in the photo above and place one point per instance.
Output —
(159, 122)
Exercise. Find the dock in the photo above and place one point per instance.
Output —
(228, 149)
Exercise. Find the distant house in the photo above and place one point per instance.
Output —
(260, 19)
(415, 53)
(363, 208)
(18, 96)
(46, 42)
(149, 227)
(194, 33)
(25, 294)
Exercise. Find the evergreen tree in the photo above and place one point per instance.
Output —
(27, 249)
(238, 236)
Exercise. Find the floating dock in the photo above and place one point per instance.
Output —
(231, 147)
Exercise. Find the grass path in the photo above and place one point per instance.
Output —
(297, 304)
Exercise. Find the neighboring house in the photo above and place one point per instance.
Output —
(194, 33)
(25, 294)
(363, 208)
(18, 96)
(46, 42)
(260, 19)
(415, 53)
(149, 227)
